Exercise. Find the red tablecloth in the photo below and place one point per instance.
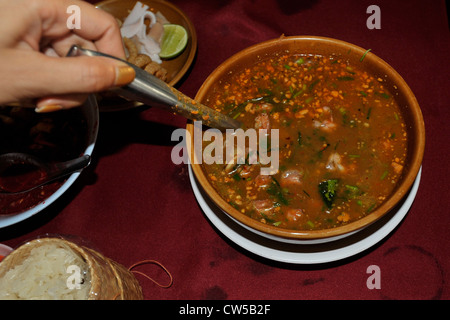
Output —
(134, 204)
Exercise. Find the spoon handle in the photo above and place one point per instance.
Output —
(62, 169)
(47, 172)
(152, 91)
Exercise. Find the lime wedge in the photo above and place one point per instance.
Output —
(174, 41)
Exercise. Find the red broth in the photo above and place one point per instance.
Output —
(342, 141)
(53, 137)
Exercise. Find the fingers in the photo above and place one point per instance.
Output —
(59, 102)
(62, 45)
(96, 26)
(63, 81)
(98, 31)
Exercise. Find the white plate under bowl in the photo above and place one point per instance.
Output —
(90, 109)
(303, 253)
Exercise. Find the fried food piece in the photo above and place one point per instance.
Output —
(131, 48)
(156, 70)
(143, 61)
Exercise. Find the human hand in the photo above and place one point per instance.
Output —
(35, 40)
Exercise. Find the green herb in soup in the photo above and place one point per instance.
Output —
(342, 142)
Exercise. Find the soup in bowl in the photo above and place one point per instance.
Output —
(332, 138)
(52, 137)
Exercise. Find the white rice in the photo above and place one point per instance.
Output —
(44, 275)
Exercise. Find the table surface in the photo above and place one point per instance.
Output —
(133, 203)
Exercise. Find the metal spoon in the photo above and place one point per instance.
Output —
(152, 91)
(21, 172)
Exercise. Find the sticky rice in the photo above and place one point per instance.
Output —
(50, 272)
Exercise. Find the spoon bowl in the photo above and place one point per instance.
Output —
(21, 172)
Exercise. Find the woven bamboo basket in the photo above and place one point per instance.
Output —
(109, 279)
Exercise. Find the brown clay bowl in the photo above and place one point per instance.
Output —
(374, 65)
(176, 67)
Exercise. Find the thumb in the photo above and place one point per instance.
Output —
(31, 75)
(79, 77)
(83, 75)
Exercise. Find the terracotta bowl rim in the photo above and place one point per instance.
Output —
(382, 210)
(192, 46)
